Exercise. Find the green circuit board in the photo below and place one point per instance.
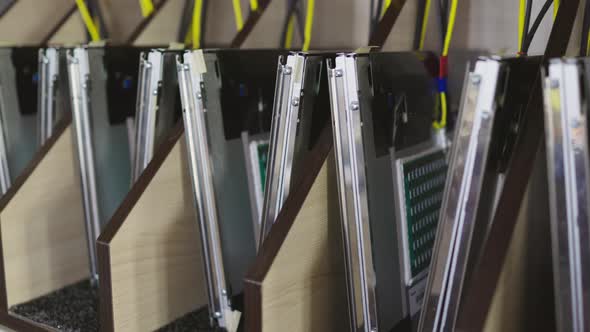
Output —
(262, 151)
(424, 182)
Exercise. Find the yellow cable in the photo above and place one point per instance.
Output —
(254, 5)
(555, 8)
(238, 14)
(443, 112)
(588, 44)
(147, 7)
(384, 9)
(90, 26)
(424, 25)
(443, 95)
(450, 27)
(289, 37)
(308, 24)
(521, 15)
(196, 24)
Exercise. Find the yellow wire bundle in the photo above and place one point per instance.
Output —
(88, 22)
(238, 14)
(196, 24)
(448, 36)
(521, 15)
(424, 25)
(308, 24)
(254, 5)
(147, 7)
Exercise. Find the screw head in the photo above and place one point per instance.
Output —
(354, 105)
(217, 314)
(295, 101)
(199, 95)
(287, 71)
(338, 72)
(476, 79)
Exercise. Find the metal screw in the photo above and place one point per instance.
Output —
(295, 101)
(354, 105)
(217, 314)
(476, 79)
(155, 92)
(199, 95)
(148, 65)
(186, 67)
(338, 72)
(287, 71)
(485, 114)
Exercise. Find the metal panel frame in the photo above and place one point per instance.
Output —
(462, 192)
(48, 81)
(282, 138)
(190, 74)
(150, 77)
(79, 72)
(361, 279)
(566, 135)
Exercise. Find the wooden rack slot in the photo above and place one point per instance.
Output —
(297, 282)
(150, 261)
(42, 237)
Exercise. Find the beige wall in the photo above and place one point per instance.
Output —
(488, 25)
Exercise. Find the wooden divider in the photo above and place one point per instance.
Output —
(43, 240)
(150, 262)
(297, 282)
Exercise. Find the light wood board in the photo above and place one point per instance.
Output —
(155, 258)
(304, 288)
(43, 237)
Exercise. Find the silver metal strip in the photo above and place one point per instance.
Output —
(78, 72)
(48, 78)
(5, 181)
(190, 79)
(566, 134)
(150, 77)
(282, 138)
(458, 212)
(350, 162)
